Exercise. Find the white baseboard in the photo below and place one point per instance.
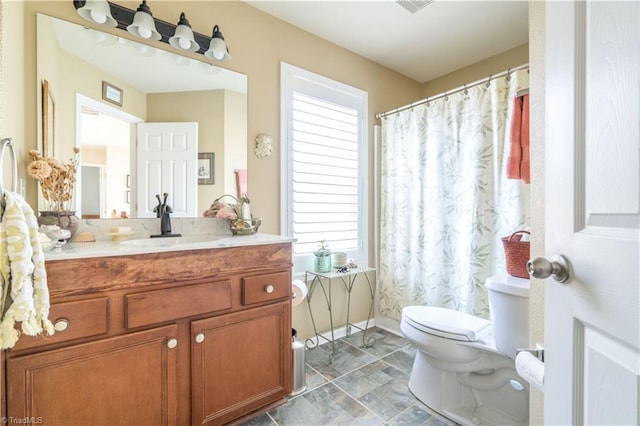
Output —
(391, 325)
(341, 332)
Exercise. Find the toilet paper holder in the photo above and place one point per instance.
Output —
(538, 353)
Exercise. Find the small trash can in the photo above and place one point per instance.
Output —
(298, 375)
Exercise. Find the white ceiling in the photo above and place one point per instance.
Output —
(444, 36)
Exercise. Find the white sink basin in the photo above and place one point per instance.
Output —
(168, 241)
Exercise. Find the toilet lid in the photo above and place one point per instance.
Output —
(446, 322)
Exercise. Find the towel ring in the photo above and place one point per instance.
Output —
(7, 142)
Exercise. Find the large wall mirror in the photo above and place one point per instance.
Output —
(114, 96)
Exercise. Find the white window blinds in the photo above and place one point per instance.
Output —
(324, 165)
(325, 174)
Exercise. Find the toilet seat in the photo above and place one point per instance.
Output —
(446, 323)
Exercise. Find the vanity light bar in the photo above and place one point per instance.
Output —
(124, 17)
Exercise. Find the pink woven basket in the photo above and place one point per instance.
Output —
(517, 254)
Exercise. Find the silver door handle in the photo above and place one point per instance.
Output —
(558, 268)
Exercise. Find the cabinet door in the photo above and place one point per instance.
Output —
(126, 380)
(241, 362)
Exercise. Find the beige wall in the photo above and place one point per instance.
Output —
(210, 109)
(258, 43)
(474, 72)
(235, 134)
(67, 75)
(13, 104)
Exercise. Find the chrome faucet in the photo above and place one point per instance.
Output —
(163, 212)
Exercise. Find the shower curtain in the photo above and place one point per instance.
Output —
(445, 200)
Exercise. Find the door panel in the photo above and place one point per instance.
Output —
(167, 157)
(228, 354)
(95, 384)
(592, 364)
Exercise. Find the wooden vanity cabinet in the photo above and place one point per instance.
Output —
(239, 362)
(130, 377)
(173, 338)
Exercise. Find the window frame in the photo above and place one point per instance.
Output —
(292, 78)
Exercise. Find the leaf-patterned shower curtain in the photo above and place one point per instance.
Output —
(445, 199)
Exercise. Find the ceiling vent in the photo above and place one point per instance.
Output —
(413, 6)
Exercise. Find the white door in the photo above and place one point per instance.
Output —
(167, 157)
(592, 356)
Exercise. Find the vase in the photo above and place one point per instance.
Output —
(64, 219)
(322, 263)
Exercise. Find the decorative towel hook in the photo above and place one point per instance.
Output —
(7, 142)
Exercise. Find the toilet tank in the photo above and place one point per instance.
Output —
(509, 311)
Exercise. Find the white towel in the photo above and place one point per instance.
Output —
(25, 295)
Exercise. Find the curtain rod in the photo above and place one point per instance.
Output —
(451, 92)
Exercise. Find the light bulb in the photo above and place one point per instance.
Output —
(98, 17)
(144, 32)
(184, 43)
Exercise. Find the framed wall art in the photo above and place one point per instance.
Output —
(111, 93)
(206, 168)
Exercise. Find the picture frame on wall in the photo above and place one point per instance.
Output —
(48, 120)
(206, 168)
(111, 93)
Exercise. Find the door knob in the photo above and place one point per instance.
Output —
(557, 268)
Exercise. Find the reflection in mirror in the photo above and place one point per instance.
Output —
(148, 85)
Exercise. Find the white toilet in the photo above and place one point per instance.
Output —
(464, 367)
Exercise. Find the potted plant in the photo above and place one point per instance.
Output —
(322, 261)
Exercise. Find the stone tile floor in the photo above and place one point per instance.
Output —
(362, 386)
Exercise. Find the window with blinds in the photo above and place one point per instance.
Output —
(324, 158)
(325, 175)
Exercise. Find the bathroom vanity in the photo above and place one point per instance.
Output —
(168, 337)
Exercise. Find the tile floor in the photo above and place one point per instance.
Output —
(362, 386)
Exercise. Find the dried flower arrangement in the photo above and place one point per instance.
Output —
(57, 179)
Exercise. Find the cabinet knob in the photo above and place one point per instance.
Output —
(199, 337)
(172, 343)
(268, 288)
(61, 325)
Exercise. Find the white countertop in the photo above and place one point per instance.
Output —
(79, 250)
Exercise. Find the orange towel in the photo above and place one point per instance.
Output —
(518, 166)
(525, 171)
(241, 182)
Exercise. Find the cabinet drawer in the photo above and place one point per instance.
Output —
(72, 320)
(262, 288)
(151, 307)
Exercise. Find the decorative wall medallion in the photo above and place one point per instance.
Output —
(263, 145)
